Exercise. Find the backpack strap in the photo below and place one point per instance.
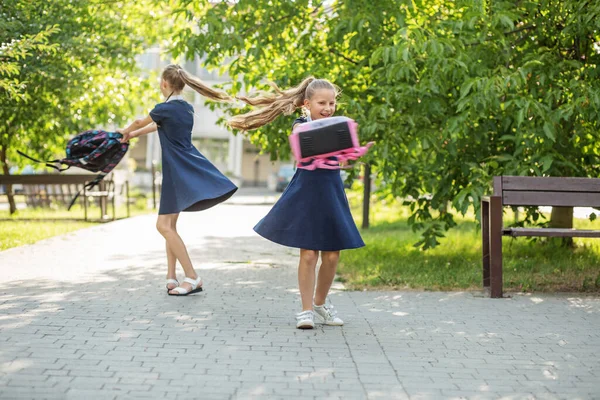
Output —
(45, 162)
(341, 157)
(86, 186)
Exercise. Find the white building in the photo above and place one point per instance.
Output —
(233, 154)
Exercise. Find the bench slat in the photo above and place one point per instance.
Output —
(550, 232)
(49, 179)
(566, 199)
(99, 194)
(552, 184)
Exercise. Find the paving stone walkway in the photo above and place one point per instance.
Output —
(86, 316)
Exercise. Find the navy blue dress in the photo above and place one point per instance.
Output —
(312, 213)
(190, 182)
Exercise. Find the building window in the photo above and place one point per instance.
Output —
(216, 150)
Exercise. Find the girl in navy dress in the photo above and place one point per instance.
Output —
(190, 181)
(312, 214)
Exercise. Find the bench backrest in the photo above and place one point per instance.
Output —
(48, 179)
(547, 191)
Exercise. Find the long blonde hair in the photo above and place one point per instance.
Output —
(177, 78)
(281, 102)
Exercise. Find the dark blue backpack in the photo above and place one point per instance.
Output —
(93, 150)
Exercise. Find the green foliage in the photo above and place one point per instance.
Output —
(18, 49)
(490, 91)
(453, 93)
(69, 66)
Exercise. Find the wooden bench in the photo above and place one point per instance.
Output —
(44, 190)
(529, 191)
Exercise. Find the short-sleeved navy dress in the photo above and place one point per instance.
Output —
(312, 213)
(190, 182)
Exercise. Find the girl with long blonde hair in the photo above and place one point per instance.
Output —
(313, 213)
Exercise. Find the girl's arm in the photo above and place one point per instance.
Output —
(137, 128)
(144, 131)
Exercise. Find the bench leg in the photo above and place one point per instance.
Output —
(495, 245)
(85, 202)
(102, 201)
(485, 240)
(127, 195)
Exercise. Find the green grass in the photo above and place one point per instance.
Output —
(18, 233)
(77, 212)
(390, 261)
(31, 225)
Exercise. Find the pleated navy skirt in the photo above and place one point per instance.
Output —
(313, 214)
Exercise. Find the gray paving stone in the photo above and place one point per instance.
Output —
(18, 393)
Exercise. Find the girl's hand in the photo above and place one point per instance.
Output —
(126, 136)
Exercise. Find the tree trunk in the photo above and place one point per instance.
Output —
(5, 171)
(366, 195)
(562, 217)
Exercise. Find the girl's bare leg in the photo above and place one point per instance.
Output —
(166, 225)
(306, 277)
(171, 258)
(329, 262)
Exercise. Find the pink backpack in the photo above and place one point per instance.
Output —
(319, 140)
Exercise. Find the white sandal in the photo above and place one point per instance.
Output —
(196, 287)
(172, 281)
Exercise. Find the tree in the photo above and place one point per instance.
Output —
(500, 90)
(452, 92)
(13, 90)
(65, 67)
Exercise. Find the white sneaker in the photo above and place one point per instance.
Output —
(305, 320)
(328, 315)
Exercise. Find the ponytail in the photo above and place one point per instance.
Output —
(177, 77)
(205, 90)
(273, 104)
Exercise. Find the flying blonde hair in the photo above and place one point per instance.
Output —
(281, 102)
(177, 78)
